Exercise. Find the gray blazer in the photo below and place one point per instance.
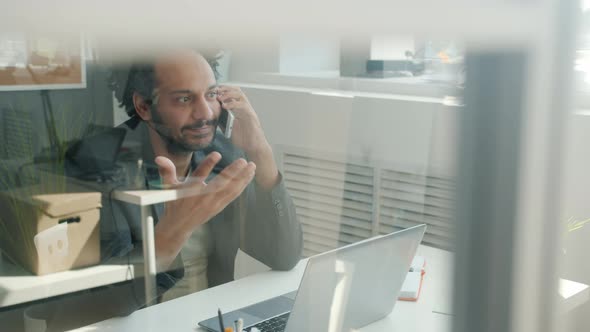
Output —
(261, 223)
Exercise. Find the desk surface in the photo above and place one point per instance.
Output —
(184, 313)
(18, 286)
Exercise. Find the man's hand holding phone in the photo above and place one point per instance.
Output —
(247, 134)
(201, 201)
(226, 122)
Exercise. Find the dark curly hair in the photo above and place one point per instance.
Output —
(139, 77)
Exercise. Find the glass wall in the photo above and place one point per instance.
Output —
(150, 174)
(342, 155)
(575, 273)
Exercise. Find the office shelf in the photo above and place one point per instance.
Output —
(19, 286)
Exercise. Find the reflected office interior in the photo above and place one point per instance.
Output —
(363, 132)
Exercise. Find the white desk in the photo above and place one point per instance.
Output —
(184, 313)
(19, 286)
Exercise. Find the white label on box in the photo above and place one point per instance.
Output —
(53, 242)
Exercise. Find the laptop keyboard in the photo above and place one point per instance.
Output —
(275, 324)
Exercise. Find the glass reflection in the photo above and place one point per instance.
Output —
(308, 167)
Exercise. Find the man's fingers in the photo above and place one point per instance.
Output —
(229, 188)
(232, 170)
(167, 171)
(229, 99)
(240, 181)
(206, 166)
(225, 187)
(227, 94)
(238, 169)
(245, 176)
(229, 88)
(231, 105)
(222, 190)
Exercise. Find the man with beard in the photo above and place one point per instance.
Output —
(238, 197)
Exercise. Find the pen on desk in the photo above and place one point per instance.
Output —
(239, 325)
(221, 327)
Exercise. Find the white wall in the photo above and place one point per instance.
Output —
(246, 61)
(413, 132)
(380, 128)
(288, 54)
(391, 47)
(308, 53)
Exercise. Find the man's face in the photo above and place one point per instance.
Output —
(187, 106)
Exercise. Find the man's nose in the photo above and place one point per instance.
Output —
(202, 110)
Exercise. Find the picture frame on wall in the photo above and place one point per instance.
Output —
(41, 62)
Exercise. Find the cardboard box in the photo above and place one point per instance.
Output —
(47, 230)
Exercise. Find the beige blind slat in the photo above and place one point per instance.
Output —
(332, 218)
(327, 174)
(338, 228)
(332, 192)
(325, 164)
(316, 206)
(417, 219)
(310, 231)
(405, 223)
(332, 201)
(308, 181)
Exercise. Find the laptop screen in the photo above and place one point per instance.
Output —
(97, 152)
(351, 287)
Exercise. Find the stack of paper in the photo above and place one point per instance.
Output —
(413, 283)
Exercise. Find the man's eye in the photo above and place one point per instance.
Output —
(212, 94)
(184, 99)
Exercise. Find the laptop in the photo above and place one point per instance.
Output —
(341, 290)
(96, 153)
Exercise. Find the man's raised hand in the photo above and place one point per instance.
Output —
(200, 201)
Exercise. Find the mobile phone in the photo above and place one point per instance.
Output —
(226, 122)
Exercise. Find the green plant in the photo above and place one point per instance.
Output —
(572, 224)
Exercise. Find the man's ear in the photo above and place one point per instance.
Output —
(141, 107)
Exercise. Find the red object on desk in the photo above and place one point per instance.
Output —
(412, 285)
(414, 299)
